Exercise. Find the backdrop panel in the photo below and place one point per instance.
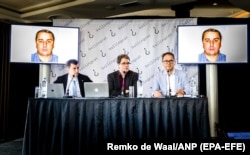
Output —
(144, 40)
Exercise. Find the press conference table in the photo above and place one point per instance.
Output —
(70, 126)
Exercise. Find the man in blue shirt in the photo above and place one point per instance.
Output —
(211, 40)
(170, 81)
(44, 44)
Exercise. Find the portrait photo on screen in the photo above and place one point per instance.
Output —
(43, 44)
(212, 44)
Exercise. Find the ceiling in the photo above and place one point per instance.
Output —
(37, 11)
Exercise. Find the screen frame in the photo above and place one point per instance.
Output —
(189, 38)
(23, 43)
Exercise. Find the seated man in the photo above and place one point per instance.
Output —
(73, 81)
(120, 80)
(170, 81)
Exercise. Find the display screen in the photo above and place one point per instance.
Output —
(212, 44)
(43, 44)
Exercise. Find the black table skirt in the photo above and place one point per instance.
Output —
(62, 126)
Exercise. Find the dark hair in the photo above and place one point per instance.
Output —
(71, 61)
(167, 53)
(119, 57)
(211, 30)
(46, 31)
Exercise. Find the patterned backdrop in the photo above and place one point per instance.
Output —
(144, 40)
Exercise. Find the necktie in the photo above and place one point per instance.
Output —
(74, 88)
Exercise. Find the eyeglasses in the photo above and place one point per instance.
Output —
(168, 61)
(125, 63)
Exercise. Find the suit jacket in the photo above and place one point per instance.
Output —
(115, 84)
(81, 79)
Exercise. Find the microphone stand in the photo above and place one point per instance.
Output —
(67, 90)
(169, 89)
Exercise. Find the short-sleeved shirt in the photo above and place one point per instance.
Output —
(35, 58)
(221, 58)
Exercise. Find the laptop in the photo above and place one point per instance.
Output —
(93, 89)
(55, 90)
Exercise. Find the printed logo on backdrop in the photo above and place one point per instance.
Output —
(144, 40)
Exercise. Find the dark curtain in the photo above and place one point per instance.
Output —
(76, 126)
(17, 84)
(4, 79)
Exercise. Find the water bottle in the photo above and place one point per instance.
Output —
(139, 87)
(193, 87)
(44, 85)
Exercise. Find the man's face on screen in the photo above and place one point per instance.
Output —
(211, 43)
(44, 44)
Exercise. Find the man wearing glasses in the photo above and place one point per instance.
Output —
(120, 80)
(170, 81)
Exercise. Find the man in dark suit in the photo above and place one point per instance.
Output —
(120, 80)
(73, 81)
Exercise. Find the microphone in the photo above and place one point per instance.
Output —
(169, 89)
(67, 90)
(123, 84)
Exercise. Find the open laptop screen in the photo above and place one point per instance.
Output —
(93, 89)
